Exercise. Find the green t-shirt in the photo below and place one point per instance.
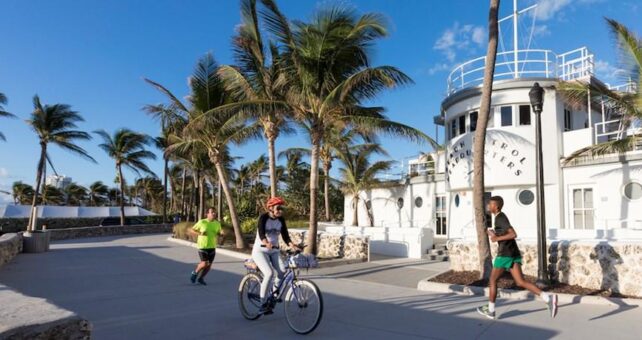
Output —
(211, 229)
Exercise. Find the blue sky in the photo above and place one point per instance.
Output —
(94, 54)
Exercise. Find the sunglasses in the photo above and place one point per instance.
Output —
(279, 208)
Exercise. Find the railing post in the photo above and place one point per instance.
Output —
(546, 63)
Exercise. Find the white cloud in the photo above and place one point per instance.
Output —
(4, 173)
(549, 9)
(457, 38)
(439, 67)
(607, 72)
(541, 31)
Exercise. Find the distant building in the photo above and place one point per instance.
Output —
(60, 182)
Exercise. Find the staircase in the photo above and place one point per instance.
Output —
(437, 253)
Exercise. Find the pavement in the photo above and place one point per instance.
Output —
(137, 287)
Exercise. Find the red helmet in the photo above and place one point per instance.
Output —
(275, 201)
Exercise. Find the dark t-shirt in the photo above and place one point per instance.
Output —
(502, 224)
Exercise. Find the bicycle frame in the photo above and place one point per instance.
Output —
(288, 280)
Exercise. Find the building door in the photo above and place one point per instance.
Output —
(441, 225)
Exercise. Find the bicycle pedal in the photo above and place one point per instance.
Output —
(279, 300)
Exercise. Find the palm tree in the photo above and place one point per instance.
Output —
(257, 78)
(483, 245)
(75, 194)
(127, 149)
(3, 113)
(358, 173)
(22, 193)
(208, 129)
(54, 124)
(328, 72)
(628, 104)
(97, 193)
(52, 195)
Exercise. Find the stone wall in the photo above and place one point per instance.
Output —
(615, 266)
(349, 247)
(10, 246)
(71, 233)
(14, 225)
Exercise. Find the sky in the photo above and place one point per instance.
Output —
(93, 55)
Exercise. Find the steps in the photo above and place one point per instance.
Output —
(438, 253)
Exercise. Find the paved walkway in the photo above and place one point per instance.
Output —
(137, 288)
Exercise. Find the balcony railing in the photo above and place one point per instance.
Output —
(524, 64)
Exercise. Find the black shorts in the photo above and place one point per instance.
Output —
(207, 255)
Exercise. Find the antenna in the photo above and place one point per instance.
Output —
(515, 17)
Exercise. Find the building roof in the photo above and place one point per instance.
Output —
(49, 211)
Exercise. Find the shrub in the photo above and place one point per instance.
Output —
(248, 226)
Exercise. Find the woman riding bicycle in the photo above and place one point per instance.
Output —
(265, 252)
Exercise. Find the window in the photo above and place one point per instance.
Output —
(632, 191)
(400, 203)
(506, 115)
(568, 123)
(526, 197)
(583, 210)
(440, 216)
(419, 202)
(462, 124)
(457, 200)
(473, 121)
(453, 128)
(524, 115)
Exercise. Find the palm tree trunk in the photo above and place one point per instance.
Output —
(272, 164)
(165, 172)
(201, 199)
(121, 181)
(314, 184)
(240, 242)
(326, 188)
(39, 170)
(183, 193)
(219, 198)
(355, 210)
(483, 245)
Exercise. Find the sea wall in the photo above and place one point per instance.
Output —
(348, 247)
(10, 246)
(71, 233)
(14, 225)
(614, 266)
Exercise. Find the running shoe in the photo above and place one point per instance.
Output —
(202, 282)
(193, 277)
(485, 311)
(552, 305)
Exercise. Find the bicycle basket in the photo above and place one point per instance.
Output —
(250, 265)
(304, 261)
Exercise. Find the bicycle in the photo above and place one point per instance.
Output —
(303, 303)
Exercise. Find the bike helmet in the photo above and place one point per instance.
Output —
(275, 201)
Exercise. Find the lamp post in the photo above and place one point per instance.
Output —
(536, 95)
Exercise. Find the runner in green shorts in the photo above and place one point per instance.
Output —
(508, 258)
(207, 231)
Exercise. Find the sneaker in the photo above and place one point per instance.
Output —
(552, 305)
(483, 310)
(202, 282)
(193, 277)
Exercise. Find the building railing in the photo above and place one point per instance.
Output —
(410, 167)
(524, 64)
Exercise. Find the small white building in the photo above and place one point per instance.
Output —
(58, 181)
(587, 199)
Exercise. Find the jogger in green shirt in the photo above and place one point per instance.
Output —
(207, 231)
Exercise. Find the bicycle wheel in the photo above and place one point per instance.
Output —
(303, 306)
(250, 296)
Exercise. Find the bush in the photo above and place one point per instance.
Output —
(298, 224)
(248, 226)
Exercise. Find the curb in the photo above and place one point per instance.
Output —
(221, 251)
(437, 287)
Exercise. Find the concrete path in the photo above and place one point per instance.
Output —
(137, 288)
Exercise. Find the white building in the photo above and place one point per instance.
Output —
(591, 198)
(58, 181)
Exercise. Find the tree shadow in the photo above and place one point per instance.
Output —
(134, 291)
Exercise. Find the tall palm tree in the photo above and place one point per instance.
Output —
(52, 195)
(628, 104)
(483, 245)
(208, 129)
(54, 124)
(3, 113)
(358, 173)
(257, 78)
(75, 194)
(97, 193)
(328, 72)
(22, 193)
(128, 149)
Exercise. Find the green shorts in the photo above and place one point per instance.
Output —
(506, 262)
